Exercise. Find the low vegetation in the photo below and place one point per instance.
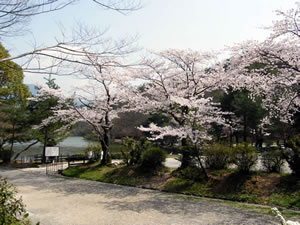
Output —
(254, 187)
(12, 208)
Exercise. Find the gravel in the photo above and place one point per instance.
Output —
(56, 200)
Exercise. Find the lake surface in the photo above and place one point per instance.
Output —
(70, 145)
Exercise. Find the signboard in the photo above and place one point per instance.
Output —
(52, 151)
(90, 154)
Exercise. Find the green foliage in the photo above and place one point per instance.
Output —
(12, 209)
(191, 173)
(42, 108)
(153, 159)
(244, 156)
(129, 155)
(217, 156)
(95, 149)
(223, 184)
(6, 154)
(292, 154)
(133, 150)
(249, 111)
(13, 101)
(287, 193)
(50, 134)
(272, 160)
(80, 154)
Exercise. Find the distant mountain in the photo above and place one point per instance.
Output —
(32, 89)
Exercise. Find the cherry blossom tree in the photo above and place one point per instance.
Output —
(105, 95)
(177, 84)
(271, 68)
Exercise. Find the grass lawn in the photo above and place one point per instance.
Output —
(257, 187)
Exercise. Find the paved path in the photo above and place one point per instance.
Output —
(66, 201)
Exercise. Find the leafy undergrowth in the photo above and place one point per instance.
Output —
(257, 187)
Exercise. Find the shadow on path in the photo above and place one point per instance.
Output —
(123, 199)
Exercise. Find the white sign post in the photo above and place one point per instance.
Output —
(52, 151)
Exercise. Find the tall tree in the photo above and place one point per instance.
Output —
(177, 83)
(42, 108)
(101, 100)
(13, 95)
(247, 114)
(277, 80)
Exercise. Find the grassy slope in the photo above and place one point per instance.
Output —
(261, 188)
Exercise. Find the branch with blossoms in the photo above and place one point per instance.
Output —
(271, 68)
(106, 94)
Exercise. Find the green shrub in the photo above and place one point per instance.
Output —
(81, 154)
(153, 158)
(133, 150)
(5, 155)
(244, 156)
(272, 160)
(292, 154)
(95, 149)
(217, 156)
(12, 209)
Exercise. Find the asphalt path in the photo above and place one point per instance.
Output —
(56, 200)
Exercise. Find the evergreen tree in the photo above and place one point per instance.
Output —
(42, 108)
(13, 101)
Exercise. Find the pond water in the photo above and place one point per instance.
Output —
(70, 145)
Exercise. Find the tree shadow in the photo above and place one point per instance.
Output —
(129, 199)
(232, 183)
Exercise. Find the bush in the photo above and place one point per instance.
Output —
(153, 158)
(95, 149)
(12, 209)
(5, 155)
(82, 154)
(272, 160)
(217, 156)
(133, 150)
(244, 156)
(292, 154)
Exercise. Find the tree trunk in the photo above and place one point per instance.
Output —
(231, 139)
(106, 160)
(200, 163)
(45, 145)
(245, 129)
(236, 138)
(259, 139)
(186, 156)
(13, 138)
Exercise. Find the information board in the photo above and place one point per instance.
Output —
(52, 151)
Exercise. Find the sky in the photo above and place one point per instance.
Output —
(160, 24)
